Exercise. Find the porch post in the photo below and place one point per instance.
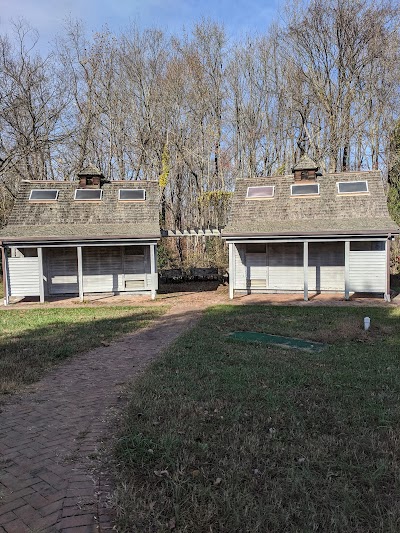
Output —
(387, 248)
(80, 273)
(231, 270)
(156, 269)
(153, 270)
(5, 275)
(41, 284)
(305, 265)
(347, 270)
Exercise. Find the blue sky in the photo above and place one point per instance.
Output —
(240, 17)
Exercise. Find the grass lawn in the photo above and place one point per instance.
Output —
(33, 340)
(223, 436)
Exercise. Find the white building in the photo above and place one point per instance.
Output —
(310, 233)
(82, 237)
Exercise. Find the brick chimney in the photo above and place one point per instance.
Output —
(305, 170)
(90, 177)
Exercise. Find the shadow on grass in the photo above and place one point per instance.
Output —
(253, 438)
(31, 341)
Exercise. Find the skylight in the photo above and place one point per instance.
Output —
(266, 191)
(44, 195)
(311, 189)
(88, 194)
(131, 194)
(352, 187)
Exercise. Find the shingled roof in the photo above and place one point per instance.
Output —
(305, 163)
(328, 213)
(90, 170)
(67, 218)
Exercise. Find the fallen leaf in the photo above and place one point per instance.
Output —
(172, 523)
(218, 481)
(195, 473)
(161, 473)
(104, 343)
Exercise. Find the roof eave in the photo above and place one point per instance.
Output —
(77, 238)
(331, 233)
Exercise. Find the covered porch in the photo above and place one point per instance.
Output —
(310, 266)
(50, 270)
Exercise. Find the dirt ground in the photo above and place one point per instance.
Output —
(203, 293)
(51, 433)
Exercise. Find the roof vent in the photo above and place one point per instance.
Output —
(90, 177)
(305, 170)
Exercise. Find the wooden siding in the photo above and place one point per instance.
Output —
(239, 253)
(257, 270)
(23, 276)
(367, 271)
(147, 268)
(280, 268)
(102, 269)
(105, 269)
(61, 267)
(113, 269)
(326, 267)
(286, 266)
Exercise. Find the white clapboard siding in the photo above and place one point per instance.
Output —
(239, 252)
(326, 266)
(62, 270)
(147, 267)
(257, 270)
(102, 269)
(286, 272)
(135, 276)
(367, 271)
(23, 276)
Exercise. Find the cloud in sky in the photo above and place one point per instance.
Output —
(48, 16)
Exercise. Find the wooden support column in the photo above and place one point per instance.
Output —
(305, 266)
(153, 270)
(41, 281)
(156, 268)
(5, 275)
(231, 270)
(80, 273)
(347, 270)
(387, 248)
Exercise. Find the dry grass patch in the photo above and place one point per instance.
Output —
(33, 340)
(223, 436)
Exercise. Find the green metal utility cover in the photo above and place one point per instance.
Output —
(277, 340)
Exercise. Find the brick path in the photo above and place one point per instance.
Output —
(49, 436)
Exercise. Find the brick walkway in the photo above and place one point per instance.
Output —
(49, 435)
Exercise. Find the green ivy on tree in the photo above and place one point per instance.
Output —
(165, 167)
(163, 180)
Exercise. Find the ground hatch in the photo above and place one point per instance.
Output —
(277, 340)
